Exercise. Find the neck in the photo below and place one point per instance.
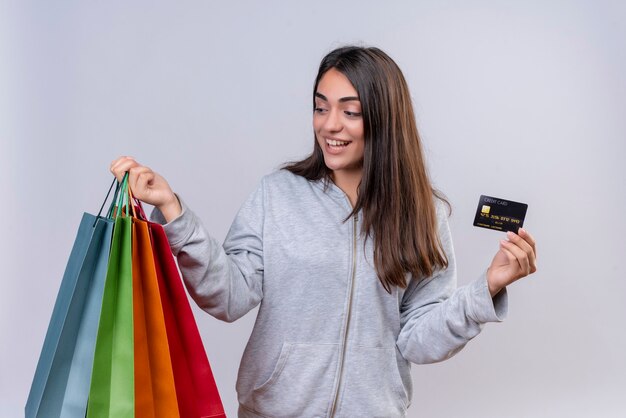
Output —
(348, 181)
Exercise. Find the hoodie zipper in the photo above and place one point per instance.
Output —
(347, 326)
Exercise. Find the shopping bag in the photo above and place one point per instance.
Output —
(155, 393)
(61, 382)
(122, 309)
(111, 392)
(196, 390)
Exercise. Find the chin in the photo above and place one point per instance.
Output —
(334, 165)
(341, 166)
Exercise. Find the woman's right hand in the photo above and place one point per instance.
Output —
(147, 186)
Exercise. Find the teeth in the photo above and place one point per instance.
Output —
(335, 143)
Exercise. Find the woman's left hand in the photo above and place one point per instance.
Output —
(516, 258)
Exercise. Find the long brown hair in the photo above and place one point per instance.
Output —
(395, 192)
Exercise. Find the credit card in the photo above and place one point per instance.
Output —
(500, 214)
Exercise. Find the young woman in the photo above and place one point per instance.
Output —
(347, 253)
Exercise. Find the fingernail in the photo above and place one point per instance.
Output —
(522, 230)
(510, 234)
(503, 242)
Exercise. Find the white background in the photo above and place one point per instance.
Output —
(520, 100)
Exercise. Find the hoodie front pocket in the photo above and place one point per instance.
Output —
(372, 385)
(301, 383)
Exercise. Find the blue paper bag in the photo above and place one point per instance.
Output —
(61, 383)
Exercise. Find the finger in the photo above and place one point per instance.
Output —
(122, 165)
(520, 242)
(532, 256)
(139, 179)
(120, 160)
(526, 247)
(118, 166)
(520, 256)
(528, 238)
(509, 255)
(512, 261)
(146, 178)
(531, 240)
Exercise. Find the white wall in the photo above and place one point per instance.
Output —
(521, 100)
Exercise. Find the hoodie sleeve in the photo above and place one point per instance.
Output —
(437, 318)
(225, 281)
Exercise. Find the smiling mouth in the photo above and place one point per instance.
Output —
(337, 143)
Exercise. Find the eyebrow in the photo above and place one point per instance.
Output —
(341, 100)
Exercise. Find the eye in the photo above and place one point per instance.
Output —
(319, 110)
(352, 114)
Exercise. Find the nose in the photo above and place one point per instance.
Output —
(333, 121)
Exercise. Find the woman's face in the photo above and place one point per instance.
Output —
(338, 123)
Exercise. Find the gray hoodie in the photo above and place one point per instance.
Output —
(328, 340)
